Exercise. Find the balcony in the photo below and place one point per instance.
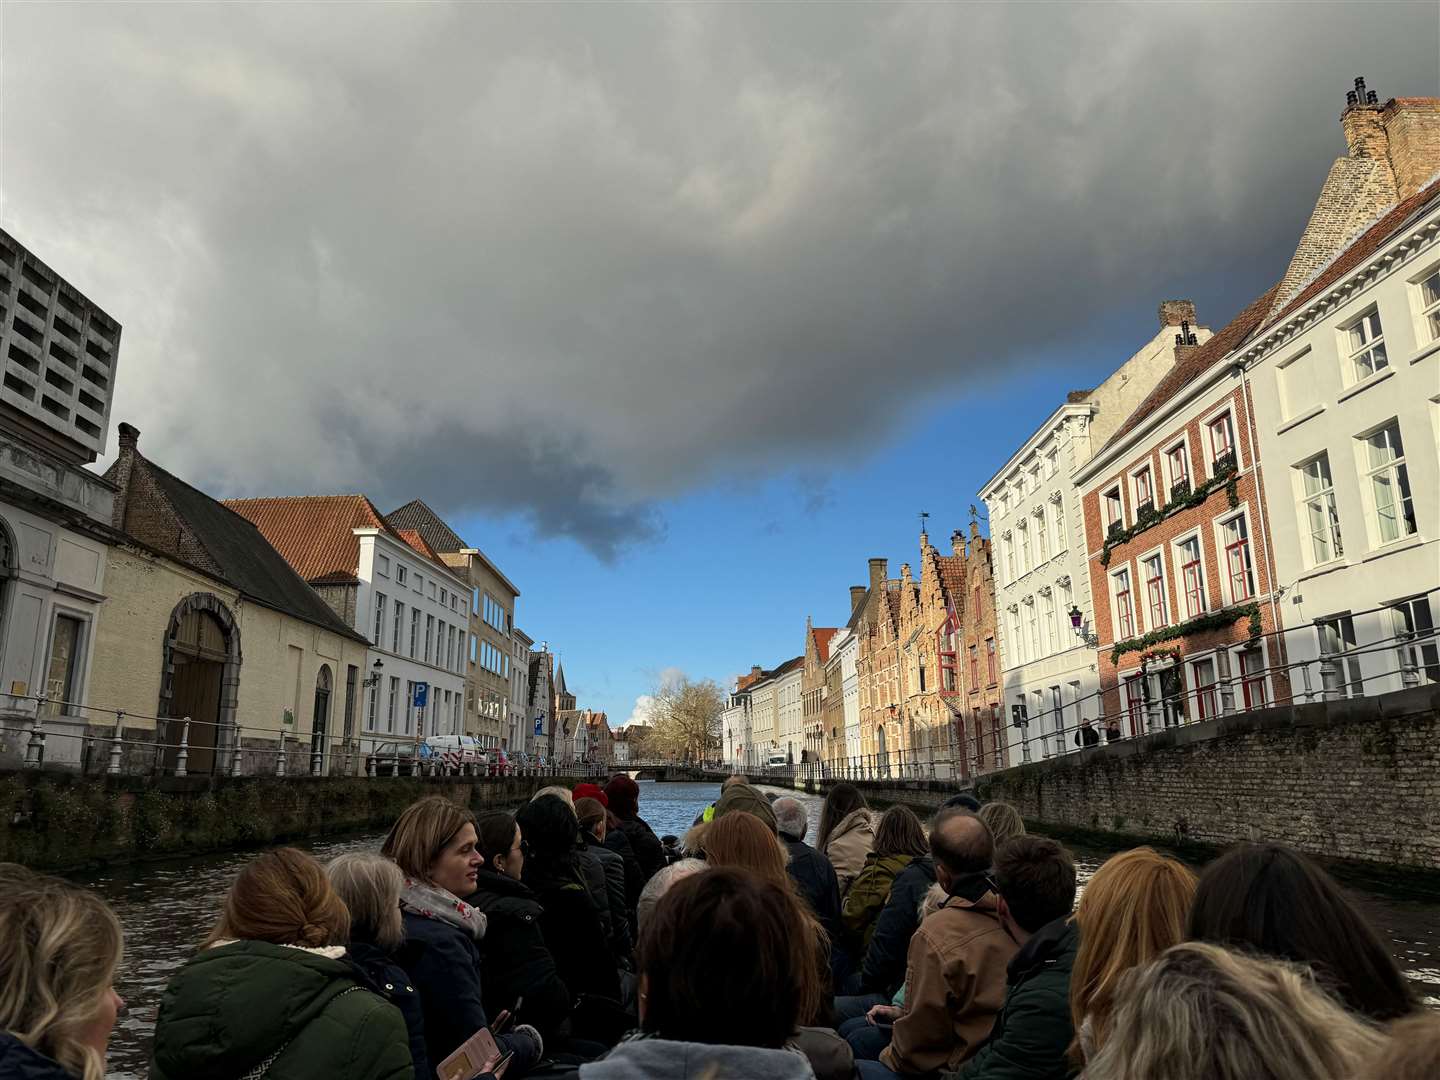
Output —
(1180, 489)
(1117, 528)
(1223, 464)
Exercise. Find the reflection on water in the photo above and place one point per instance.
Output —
(166, 908)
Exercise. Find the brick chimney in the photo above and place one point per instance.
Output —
(128, 438)
(1392, 150)
(879, 571)
(857, 594)
(957, 542)
(1175, 312)
(1186, 341)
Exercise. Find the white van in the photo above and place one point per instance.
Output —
(776, 759)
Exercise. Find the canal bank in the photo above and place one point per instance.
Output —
(168, 906)
(56, 820)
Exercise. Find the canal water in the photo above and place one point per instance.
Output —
(168, 907)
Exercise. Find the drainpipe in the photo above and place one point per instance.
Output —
(1264, 523)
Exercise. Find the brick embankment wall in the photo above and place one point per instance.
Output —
(1353, 780)
(58, 820)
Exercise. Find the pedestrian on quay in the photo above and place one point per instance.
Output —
(1086, 735)
(1200, 1012)
(847, 833)
(1133, 909)
(1271, 899)
(369, 886)
(624, 795)
(1003, 821)
(899, 839)
(592, 817)
(435, 845)
(271, 991)
(59, 948)
(1035, 879)
(726, 975)
(1112, 729)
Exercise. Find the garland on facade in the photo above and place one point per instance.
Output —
(1215, 620)
(1173, 653)
(1226, 477)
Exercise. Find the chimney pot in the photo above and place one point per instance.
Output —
(857, 594)
(129, 436)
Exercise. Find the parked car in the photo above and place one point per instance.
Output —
(395, 758)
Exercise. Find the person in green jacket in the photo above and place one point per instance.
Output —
(899, 838)
(1035, 878)
(270, 993)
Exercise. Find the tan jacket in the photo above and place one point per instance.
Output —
(848, 844)
(954, 987)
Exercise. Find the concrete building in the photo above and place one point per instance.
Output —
(392, 587)
(491, 618)
(205, 620)
(517, 737)
(1050, 666)
(59, 354)
(1345, 384)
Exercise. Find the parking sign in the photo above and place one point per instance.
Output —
(422, 695)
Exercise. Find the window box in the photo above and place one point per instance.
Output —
(1179, 489)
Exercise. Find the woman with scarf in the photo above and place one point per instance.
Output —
(434, 844)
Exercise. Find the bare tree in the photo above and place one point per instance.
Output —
(685, 717)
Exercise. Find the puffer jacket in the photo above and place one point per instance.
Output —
(19, 1062)
(867, 897)
(649, 852)
(1033, 1030)
(622, 931)
(515, 962)
(592, 876)
(235, 1007)
(848, 844)
(954, 986)
(619, 843)
(883, 969)
(392, 982)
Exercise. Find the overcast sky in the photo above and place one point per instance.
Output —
(568, 266)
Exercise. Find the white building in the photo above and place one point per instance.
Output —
(1042, 574)
(519, 726)
(844, 647)
(1345, 384)
(58, 354)
(764, 734)
(735, 728)
(790, 709)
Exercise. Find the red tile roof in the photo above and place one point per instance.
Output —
(1191, 366)
(952, 577)
(417, 542)
(823, 634)
(313, 532)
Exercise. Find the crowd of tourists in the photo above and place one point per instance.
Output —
(565, 939)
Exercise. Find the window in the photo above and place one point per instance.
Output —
(1414, 629)
(1144, 492)
(1202, 674)
(432, 588)
(1015, 637)
(1009, 545)
(1252, 677)
(429, 635)
(1156, 609)
(1222, 443)
(374, 711)
(379, 616)
(414, 631)
(62, 673)
(1192, 578)
(1124, 608)
(1058, 519)
(475, 602)
(1321, 517)
(1177, 466)
(400, 572)
(1365, 347)
(990, 660)
(1047, 615)
(1135, 702)
(1052, 463)
(444, 598)
(1032, 619)
(1337, 640)
(382, 565)
(1042, 537)
(419, 583)
(974, 665)
(1114, 509)
(976, 607)
(398, 627)
(1238, 566)
(1389, 484)
(390, 709)
(1025, 562)
(1295, 381)
(1430, 303)
(472, 648)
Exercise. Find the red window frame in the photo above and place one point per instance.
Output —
(1124, 609)
(1223, 426)
(1194, 583)
(1114, 507)
(1135, 702)
(974, 665)
(1179, 463)
(1238, 563)
(1252, 678)
(990, 659)
(1155, 591)
(1205, 701)
(1144, 487)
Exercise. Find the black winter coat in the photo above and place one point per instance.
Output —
(388, 979)
(572, 933)
(592, 875)
(514, 959)
(19, 1062)
(618, 842)
(444, 966)
(883, 970)
(648, 850)
(622, 933)
(815, 880)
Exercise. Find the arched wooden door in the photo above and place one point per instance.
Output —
(198, 655)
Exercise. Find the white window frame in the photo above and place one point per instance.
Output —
(1182, 586)
(1146, 470)
(1117, 624)
(1222, 558)
(1237, 675)
(1183, 445)
(1427, 312)
(78, 672)
(1349, 674)
(1285, 376)
(1143, 562)
(1370, 356)
(1107, 505)
(401, 571)
(1211, 690)
(1423, 653)
(1042, 537)
(1323, 501)
(1399, 472)
(1227, 414)
(382, 566)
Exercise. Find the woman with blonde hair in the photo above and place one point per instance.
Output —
(270, 992)
(1003, 821)
(59, 948)
(743, 841)
(1200, 1012)
(1411, 1050)
(435, 845)
(1133, 909)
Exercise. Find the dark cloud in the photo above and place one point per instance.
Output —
(569, 261)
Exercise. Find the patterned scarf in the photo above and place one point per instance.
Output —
(433, 902)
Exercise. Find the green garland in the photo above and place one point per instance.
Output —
(1227, 478)
(1215, 620)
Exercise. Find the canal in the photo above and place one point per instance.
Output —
(167, 907)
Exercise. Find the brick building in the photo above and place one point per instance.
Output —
(814, 690)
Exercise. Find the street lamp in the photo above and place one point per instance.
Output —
(1077, 623)
(374, 676)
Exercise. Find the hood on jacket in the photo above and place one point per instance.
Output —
(745, 799)
(1053, 945)
(859, 818)
(232, 1006)
(664, 1059)
(20, 1062)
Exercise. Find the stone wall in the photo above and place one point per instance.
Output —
(56, 820)
(1356, 780)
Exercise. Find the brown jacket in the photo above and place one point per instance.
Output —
(848, 844)
(954, 987)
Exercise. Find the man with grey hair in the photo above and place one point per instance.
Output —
(812, 873)
(659, 885)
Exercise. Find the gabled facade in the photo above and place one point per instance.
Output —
(877, 667)
(984, 735)
(540, 722)
(814, 690)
